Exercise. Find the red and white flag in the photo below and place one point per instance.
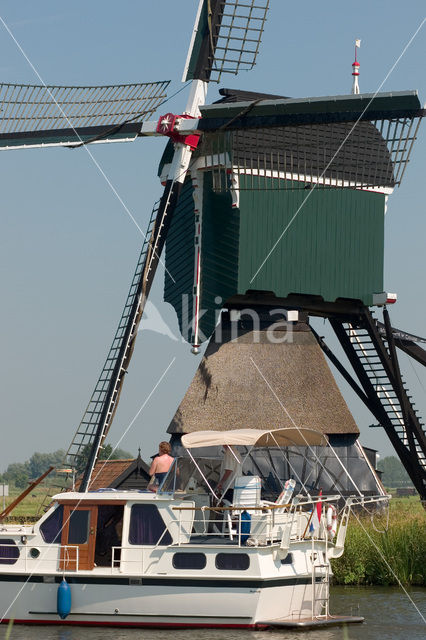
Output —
(316, 515)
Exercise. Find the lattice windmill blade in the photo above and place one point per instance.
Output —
(226, 38)
(50, 116)
(103, 403)
(361, 141)
(220, 23)
(222, 27)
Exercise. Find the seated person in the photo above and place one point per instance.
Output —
(160, 466)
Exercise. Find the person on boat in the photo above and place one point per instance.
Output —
(231, 465)
(160, 466)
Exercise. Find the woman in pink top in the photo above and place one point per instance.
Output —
(160, 465)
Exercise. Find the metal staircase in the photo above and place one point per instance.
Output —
(373, 358)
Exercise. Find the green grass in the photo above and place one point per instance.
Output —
(29, 507)
(370, 547)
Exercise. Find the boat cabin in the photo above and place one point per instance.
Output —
(132, 532)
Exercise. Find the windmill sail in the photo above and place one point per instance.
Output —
(226, 38)
(361, 141)
(225, 19)
(46, 116)
(103, 403)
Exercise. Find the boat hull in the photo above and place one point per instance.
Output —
(159, 602)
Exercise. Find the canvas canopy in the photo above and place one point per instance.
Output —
(255, 438)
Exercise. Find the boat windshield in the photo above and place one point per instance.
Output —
(184, 475)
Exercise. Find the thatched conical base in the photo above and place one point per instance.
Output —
(263, 377)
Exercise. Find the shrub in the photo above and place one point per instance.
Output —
(396, 554)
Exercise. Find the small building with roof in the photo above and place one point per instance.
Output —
(131, 473)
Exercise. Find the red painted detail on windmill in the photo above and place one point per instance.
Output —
(167, 127)
(391, 298)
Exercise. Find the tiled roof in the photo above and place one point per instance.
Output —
(106, 471)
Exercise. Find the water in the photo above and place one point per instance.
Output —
(388, 612)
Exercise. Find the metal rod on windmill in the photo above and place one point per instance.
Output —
(355, 69)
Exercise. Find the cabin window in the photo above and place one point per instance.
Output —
(232, 561)
(9, 552)
(189, 561)
(78, 529)
(51, 529)
(147, 526)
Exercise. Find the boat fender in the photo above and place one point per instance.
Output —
(331, 521)
(245, 526)
(64, 599)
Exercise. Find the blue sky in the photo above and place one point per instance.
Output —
(68, 248)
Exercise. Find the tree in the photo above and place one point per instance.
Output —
(40, 462)
(394, 473)
(106, 453)
(18, 473)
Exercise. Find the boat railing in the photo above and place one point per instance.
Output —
(128, 560)
(269, 522)
(69, 557)
(257, 525)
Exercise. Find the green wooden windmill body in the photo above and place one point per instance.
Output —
(313, 224)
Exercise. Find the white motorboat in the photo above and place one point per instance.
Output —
(181, 557)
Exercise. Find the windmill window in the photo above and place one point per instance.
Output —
(51, 528)
(9, 552)
(232, 561)
(189, 561)
(147, 526)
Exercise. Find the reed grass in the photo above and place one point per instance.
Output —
(371, 546)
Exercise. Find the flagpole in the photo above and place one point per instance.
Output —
(314, 507)
(309, 522)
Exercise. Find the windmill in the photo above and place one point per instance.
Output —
(248, 153)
